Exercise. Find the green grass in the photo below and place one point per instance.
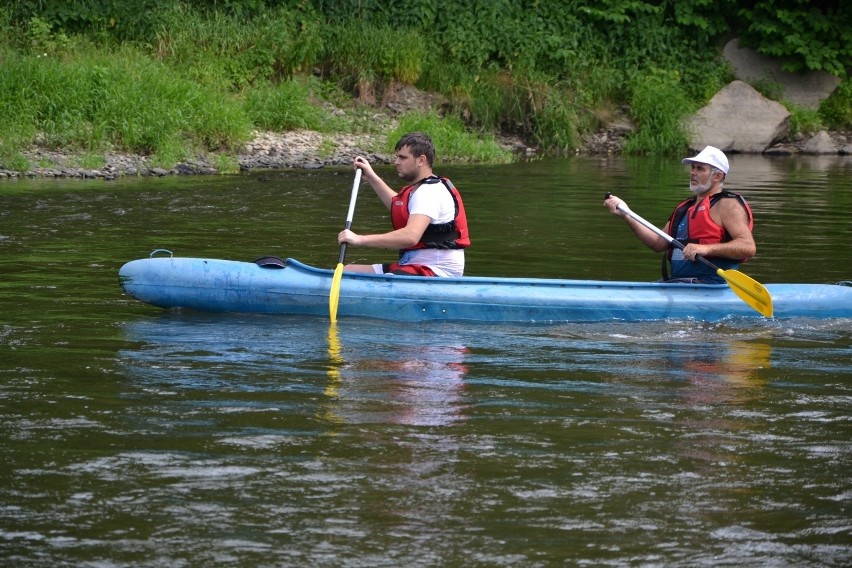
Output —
(453, 142)
(120, 100)
(660, 107)
(13, 160)
(804, 120)
(285, 106)
(88, 161)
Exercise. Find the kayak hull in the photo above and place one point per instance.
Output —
(213, 285)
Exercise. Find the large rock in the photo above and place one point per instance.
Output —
(739, 119)
(804, 89)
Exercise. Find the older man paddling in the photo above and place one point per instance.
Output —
(714, 223)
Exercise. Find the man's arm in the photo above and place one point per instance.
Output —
(648, 237)
(405, 237)
(383, 190)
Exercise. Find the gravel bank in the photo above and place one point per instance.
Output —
(267, 150)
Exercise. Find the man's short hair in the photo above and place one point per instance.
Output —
(420, 145)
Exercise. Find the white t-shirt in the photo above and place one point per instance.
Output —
(434, 201)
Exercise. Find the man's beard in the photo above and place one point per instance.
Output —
(700, 187)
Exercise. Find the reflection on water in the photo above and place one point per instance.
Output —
(335, 361)
(415, 384)
(730, 376)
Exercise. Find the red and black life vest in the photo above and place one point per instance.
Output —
(451, 235)
(702, 229)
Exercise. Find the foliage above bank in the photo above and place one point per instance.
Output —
(810, 35)
(209, 71)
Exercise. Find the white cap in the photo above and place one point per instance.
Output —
(712, 156)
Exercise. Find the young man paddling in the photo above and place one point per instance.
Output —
(428, 216)
(714, 223)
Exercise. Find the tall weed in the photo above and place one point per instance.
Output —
(495, 102)
(804, 120)
(556, 123)
(217, 48)
(452, 140)
(362, 52)
(529, 104)
(659, 106)
(284, 106)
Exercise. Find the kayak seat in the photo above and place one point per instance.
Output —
(270, 262)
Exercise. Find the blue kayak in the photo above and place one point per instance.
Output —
(290, 287)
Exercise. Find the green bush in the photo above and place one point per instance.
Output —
(836, 110)
(112, 20)
(807, 36)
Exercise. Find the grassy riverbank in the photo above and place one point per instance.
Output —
(203, 81)
(87, 102)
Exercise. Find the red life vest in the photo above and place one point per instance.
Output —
(702, 229)
(452, 235)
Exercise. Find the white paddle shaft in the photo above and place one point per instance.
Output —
(353, 198)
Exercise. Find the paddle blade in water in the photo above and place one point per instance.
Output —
(749, 290)
(334, 296)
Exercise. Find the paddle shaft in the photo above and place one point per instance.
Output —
(351, 213)
(334, 294)
(672, 241)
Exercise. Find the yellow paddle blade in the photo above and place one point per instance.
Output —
(334, 296)
(749, 290)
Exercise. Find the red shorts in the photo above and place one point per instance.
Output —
(407, 269)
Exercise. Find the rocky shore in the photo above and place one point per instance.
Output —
(267, 150)
(302, 149)
(305, 149)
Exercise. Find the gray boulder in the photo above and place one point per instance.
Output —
(821, 143)
(739, 119)
(804, 89)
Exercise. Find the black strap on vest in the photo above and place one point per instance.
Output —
(441, 235)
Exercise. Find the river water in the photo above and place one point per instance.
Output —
(137, 437)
